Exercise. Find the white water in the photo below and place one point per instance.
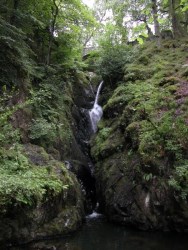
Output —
(147, 200)
(96, 112)
(93, 215)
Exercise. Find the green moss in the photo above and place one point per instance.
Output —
(107, 143)
(172, 88)
(184, 71)
(27, 178)
(137, 72)
(144, 59)
(51, 110)
(151, 116)
(180, 179)
(119, 99)
(133, 127)
(67, 221)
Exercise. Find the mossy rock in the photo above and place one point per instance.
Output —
(50, 198)
(140, 185)
(69, 220)
(37, 155)
(136, 72)
(108, 145)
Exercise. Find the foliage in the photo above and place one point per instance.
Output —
(112, 61)
(148, 106)
(8, 134)
(143, 20)
(15, 55)
(40, 128)
(51, 109)
(20, 181)
(23, 183)
(41, 45)
(180, 179)
(120, 96)
(103, 135)
(148, 177)
(38, 38)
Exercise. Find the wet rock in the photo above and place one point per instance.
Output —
(125, 198)
(53, 215)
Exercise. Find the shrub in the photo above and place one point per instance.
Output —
(179, 180)
(24, 183)
(112, 62)
(42, 129)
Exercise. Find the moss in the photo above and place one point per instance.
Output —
(29, 175)
(39, 197)
(133, 126)
(67, 221)
(137, 72)
(147, 111)
(107, 143)
(172, 88)
(172, 80)
(184, 71)
(81, 77)
(144, 59)
(36, 154)
(118, 101)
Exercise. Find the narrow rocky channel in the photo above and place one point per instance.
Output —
(93, 125)
(86, 115)
(97, 233)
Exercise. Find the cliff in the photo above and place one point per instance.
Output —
(140, 149)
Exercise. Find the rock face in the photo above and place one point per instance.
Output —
(129, 200)
(140, 149)
(62, 212)
(79, 158)
(53, 215)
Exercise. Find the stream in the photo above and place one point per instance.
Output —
(98, 234)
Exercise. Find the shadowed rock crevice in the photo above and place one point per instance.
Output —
(80, 161)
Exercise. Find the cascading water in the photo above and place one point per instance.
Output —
(96, 112)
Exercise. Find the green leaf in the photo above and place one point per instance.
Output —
(140, 40)
(185, 8)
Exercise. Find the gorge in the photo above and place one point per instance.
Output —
(93, 124)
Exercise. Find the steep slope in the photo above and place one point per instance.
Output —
(39, 196)
(141, 146)
(46, 182)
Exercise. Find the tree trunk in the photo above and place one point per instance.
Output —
(55, 11)
(150, 33)
(155, 18)
(156, 22)
(177, 29)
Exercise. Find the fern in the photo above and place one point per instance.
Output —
(15, 55)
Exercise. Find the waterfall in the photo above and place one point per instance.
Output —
(96, 112)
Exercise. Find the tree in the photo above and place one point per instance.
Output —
(176, 26)
(15, 55)
(150, 17)
(155, 18)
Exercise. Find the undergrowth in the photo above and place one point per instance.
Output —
(149, 106)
